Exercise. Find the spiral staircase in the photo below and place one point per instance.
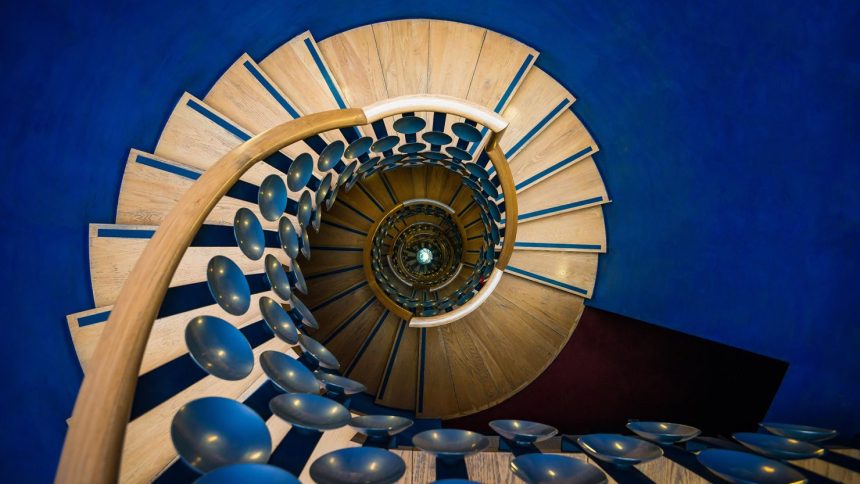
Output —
(446, 248)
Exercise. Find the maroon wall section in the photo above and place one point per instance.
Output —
(616, 368)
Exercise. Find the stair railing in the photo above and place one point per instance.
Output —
(92, 450)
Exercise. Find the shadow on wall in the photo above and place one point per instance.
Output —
(616, 368)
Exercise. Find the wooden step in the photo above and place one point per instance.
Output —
(333, 314)
(576, 187)
(502, 65)
(152, 185)
(167, 339)
(374, 189)
(467, 366)
(198, 136)
(368, 364)
(578, 231)
(574, 272)
(115, 249)
(358, 217)
(537, 103)
(399, 380)
(322, 289)
(435, 386)
(299, 70)
(564, 142)
(251, 99)
(336, 233)
(148, 448)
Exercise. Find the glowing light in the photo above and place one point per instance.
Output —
(768, 469)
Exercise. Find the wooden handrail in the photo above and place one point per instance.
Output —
(93, 447)
(367, 261)
(92, 450)
(506, 179)
(509, 189)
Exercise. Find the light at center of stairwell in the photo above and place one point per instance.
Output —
(424, 256)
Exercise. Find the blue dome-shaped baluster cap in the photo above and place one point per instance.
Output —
(799, 432)
(380, 425)
(219, 348)
(272, 197)
(488, 188)
(436, 138)
(300, 172)
(213, 432)
(358, 148)
(306, 245)
(347, 173)
(494, 212)
(228, 285)
(523, 432)
(316, 218)
(734, 466)
(358, 464)
(476, 171)
(277, 277)
(385, 144)
(664, 433)
(392, 160)
(249, 234)
(409, 124)
(289, 238)
(368, 165)
(297, 279)
(301, 314)
(330, 156)
(288, 373)
(620, 450)
(248, 474)
(339, 385)
(458, 153)
(309, 411)
(547, 468)
(450, 443)
(323, 190)
(278, 320)
(411, 148)
(434, 155)
(332, 195)
(776, 447)
(314, 350)
(306, 209)
(466, 132)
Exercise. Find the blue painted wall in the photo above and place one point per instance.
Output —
(729, 136)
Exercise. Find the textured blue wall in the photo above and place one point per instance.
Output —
(729, 137)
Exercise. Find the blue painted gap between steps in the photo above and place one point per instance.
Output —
(366, 342)
(545, 279)
(327, 77)
(339, 295)
(547, 245)
(207, 236)
(539, 126)
(554, 168)
(333, 272)
(349, 320)
(343, 227)
(390, 366)
(271, 89)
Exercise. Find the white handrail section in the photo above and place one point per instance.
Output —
(462, 311)
(435, 103)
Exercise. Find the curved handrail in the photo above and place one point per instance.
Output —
(367, 251)
(92, 449)
(462, 311)
(503, 171)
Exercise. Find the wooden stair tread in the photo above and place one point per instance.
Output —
(578, 230)
(564, 142)
(399, 380)
(369, 362)
(576, 187)
(574, 272)
(537, 103)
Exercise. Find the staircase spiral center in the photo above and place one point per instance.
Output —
(424, 256)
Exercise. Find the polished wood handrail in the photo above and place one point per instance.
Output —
(506, 179)
(367, 259)
(509, 189)
(93, 447)
(92, 450)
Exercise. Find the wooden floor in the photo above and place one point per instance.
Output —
(676, 466)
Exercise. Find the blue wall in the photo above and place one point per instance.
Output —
(729, 137)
